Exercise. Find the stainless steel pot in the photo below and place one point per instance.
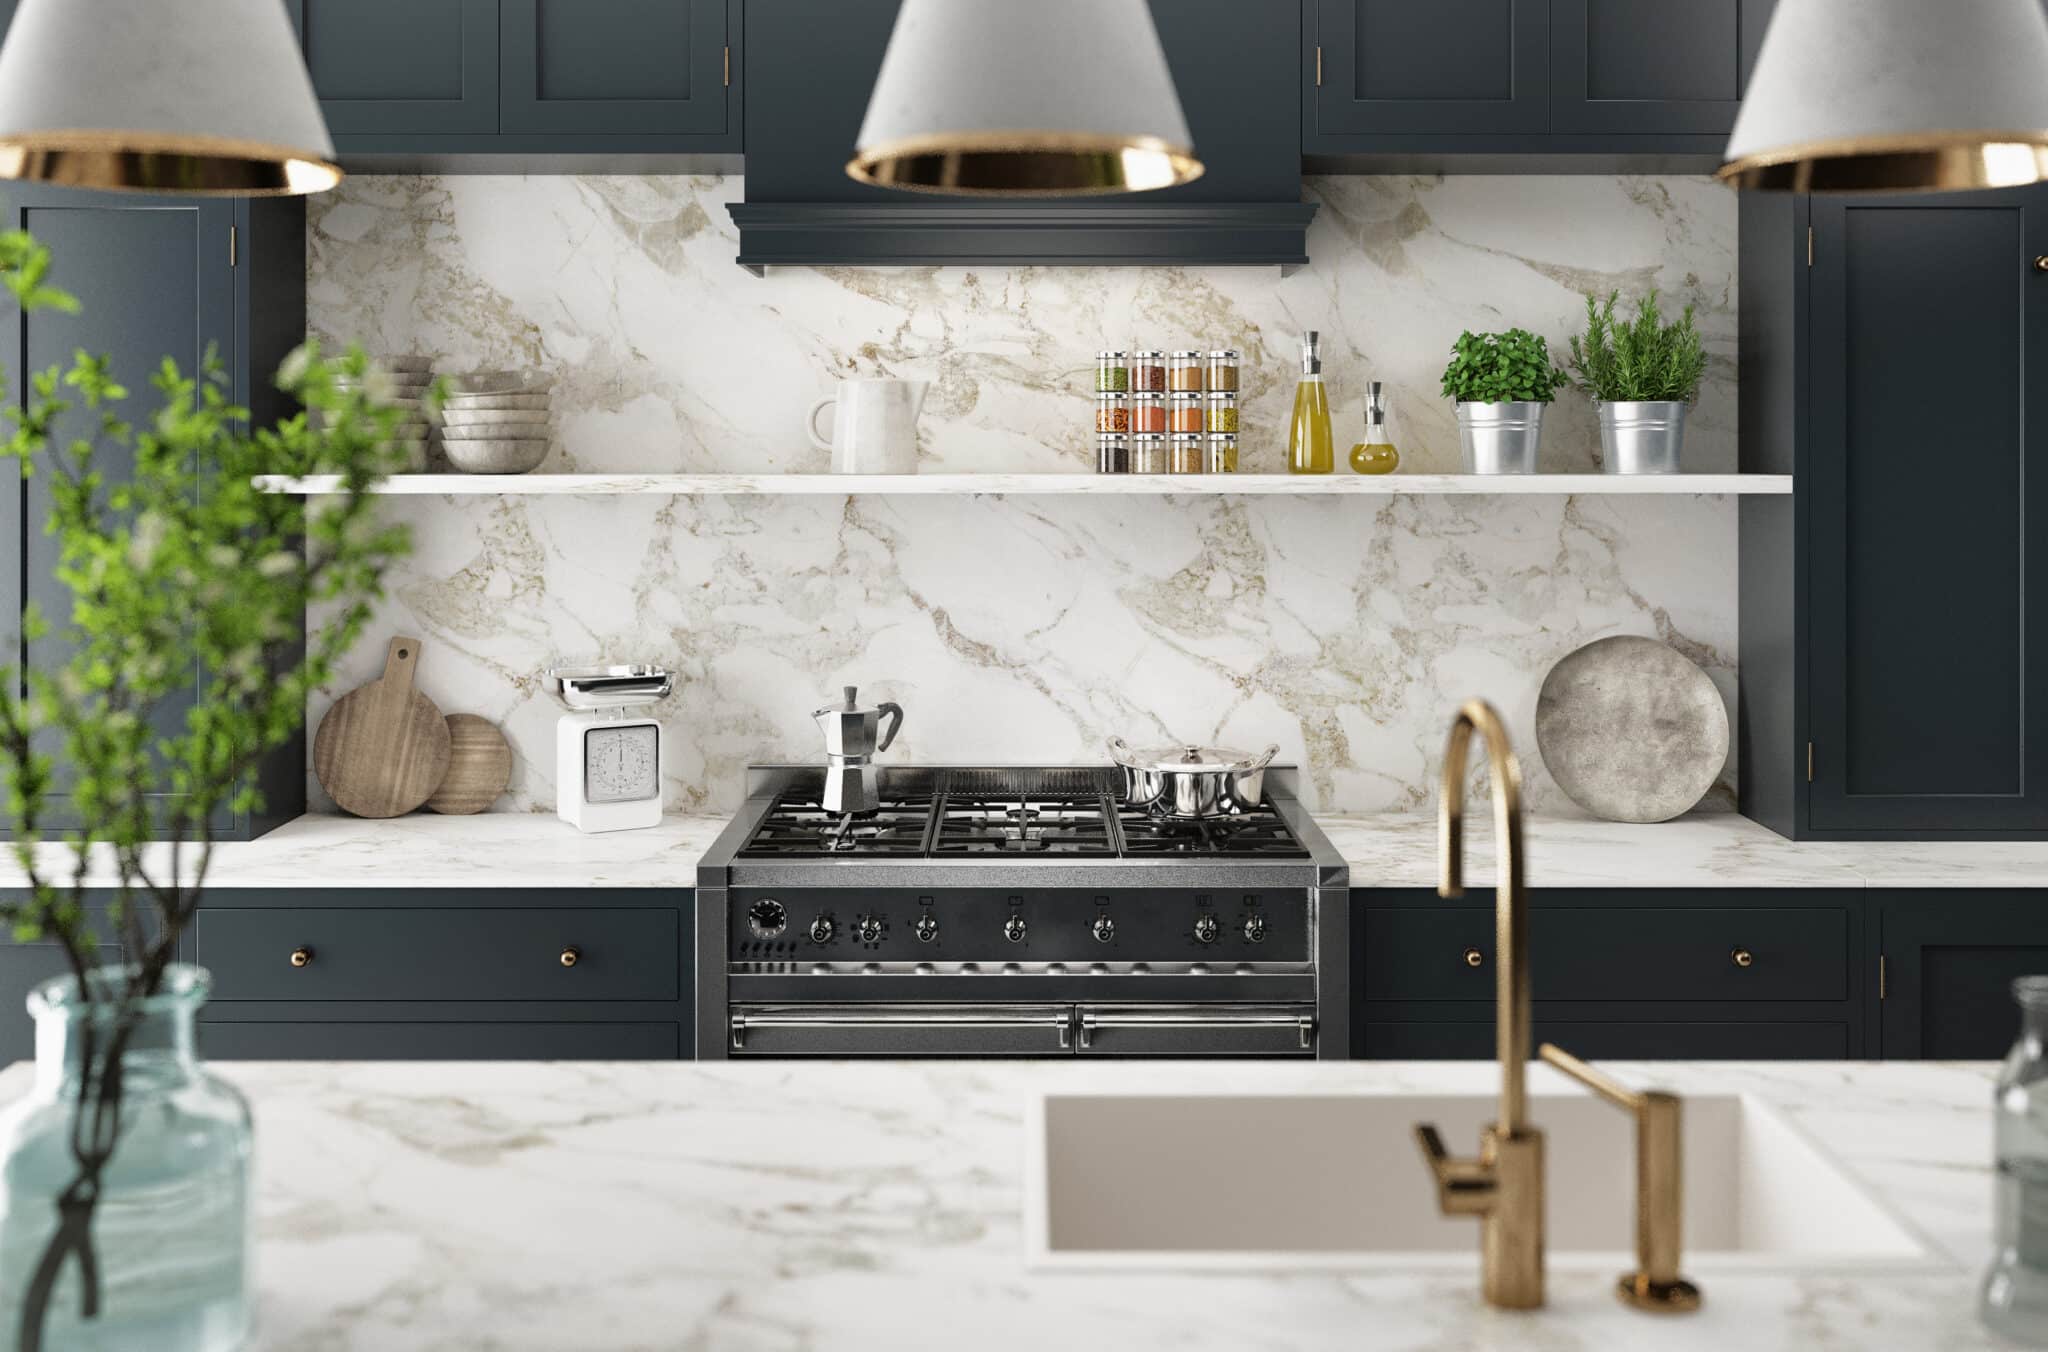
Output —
(1641, 438)
(1500, 438)
(1191, 781)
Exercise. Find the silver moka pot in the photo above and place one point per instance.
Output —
(852, 780)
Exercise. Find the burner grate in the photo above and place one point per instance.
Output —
(1024, 827)
(1258, 832)
(799, 826)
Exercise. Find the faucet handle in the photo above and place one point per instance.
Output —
(1464, 1187)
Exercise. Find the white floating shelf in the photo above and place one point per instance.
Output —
(1155, 485)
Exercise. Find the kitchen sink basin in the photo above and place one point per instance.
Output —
(1261, 1182)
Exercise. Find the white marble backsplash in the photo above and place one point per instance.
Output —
(1025, 628)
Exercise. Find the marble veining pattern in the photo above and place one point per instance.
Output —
(1025, 628)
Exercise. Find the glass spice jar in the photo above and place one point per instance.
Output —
(1112, 453)
(1148, 373)
(1184, 373)
(1186, 453)
(1222, 454)
(1222, 412)
(1148, 454)
(1185, 413)
(1112, 413)
(1222, 373)
(1112, 373)
(1148, 413)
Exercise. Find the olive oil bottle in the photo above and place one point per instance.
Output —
(1310, 448)
(1376, 454)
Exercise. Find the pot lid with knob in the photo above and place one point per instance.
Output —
(1185, 758)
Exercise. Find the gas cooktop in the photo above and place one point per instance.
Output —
(1063, 813)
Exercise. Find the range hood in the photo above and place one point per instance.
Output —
(811, 65)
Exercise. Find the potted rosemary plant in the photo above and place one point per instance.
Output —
(1642, 376)
(124, 1172)
(1501, 382)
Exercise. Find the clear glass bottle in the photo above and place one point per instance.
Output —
(1376, 454)
(1309, 446)
(172, 1228)
(2014, 1298)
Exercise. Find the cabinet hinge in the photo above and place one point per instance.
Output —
(1809, 762)
(1809, 246)
(1319, 65)
(728, 67)
(1880, 976)
(231, 246)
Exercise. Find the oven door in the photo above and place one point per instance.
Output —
(901, 1030)
(1196, 1030)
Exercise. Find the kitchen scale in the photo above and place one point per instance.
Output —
(609, 761)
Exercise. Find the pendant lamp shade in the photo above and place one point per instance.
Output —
(197, 96)
(1894, 96)
(1049, 98)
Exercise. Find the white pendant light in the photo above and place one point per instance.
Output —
(1049, 98)
(1895, 95)
(197, 96)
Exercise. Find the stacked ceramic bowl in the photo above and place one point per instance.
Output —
(496, 422)
(402, 383)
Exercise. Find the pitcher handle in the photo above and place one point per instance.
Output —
(811, 422)
(894, 713)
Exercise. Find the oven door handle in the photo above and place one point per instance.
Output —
(1092, 1021)
(1059, 1017)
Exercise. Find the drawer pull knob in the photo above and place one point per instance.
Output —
(1742, 957)
(570, 956)
(301, 956)
(1473, 957)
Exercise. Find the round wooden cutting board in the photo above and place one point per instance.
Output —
(383, 748)
(479, 769)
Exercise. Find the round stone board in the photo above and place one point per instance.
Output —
(1631, 730)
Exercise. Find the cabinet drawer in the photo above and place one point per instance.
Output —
(1632, 1040)
(444, 954)
(1612, 953)
(439, 1041)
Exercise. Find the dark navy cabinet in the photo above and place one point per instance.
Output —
(155, 278)
(402, 65)
(1451, 67)
(639, 67)
(1894, 615)
(1649, 67)
(1736, 974)
(1949, 959)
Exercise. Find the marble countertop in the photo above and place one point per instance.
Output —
(836, 1206)
(506, 849)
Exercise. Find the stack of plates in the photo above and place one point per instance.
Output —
(496, 422)
(404, 382)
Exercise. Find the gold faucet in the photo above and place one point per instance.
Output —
(1503, 1186)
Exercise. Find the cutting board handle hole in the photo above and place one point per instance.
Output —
(403, 654)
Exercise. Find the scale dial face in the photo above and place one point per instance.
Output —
(621, 765)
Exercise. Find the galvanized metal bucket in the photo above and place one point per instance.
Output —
(1642, 437)
(1500, 438)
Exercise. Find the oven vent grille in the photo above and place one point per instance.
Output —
(1025, 781)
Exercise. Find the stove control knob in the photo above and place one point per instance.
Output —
(767, 918)
(926, 929)
(1104, 929)
(1013, 929)
(867, 929)
(821, 930)
(1205, 928)
(1255, 928)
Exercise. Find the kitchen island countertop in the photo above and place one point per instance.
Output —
(1391, 850)
(823, 1206)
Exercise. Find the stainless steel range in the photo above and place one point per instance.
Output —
(1018, 911)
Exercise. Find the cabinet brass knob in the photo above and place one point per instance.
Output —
(2041, 262)
(570, 956)
(1473, 957)
(1742, 957)
(301, 956)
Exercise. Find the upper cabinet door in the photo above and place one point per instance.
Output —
(625, 67)
(428, 66)
(1927, 504)
(1651, 66)
(1446, 67)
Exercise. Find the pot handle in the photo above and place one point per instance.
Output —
(1119, 750)
(894, 713)
(1262, 760)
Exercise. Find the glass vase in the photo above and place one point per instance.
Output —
(171, 1230)
(2014, 1297)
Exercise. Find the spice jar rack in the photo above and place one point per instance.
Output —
(1166, 412)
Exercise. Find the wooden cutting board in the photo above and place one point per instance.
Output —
(383, 747)
(478, 770)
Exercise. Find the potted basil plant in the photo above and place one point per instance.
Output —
(1501, 382)
(1643, 375)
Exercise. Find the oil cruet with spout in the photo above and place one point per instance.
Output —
(852, 780)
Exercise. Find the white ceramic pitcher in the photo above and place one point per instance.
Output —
(874, 425)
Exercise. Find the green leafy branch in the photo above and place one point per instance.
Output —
(1647, 360)
(1500, 368)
